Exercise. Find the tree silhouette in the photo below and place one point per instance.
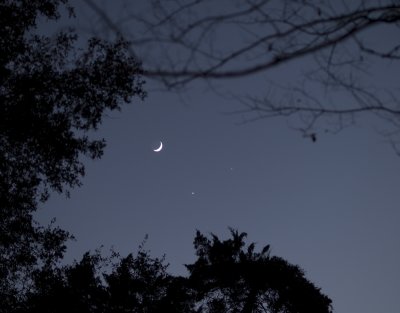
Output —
(135, 284)
(230, 277)
(185, 41)
(227, 276)
(53, 95)
(25, 248)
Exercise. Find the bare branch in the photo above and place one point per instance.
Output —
(181, 42)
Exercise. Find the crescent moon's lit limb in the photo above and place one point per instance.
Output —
(159, 148)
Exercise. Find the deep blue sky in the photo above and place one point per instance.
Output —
(331, 207)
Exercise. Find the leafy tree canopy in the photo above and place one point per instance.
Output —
(228, 276)
(53, 94)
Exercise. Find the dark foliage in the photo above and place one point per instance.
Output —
(25, 248)
(230, 277)
(52, 95)
(226, 277)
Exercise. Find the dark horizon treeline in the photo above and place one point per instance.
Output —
(228, 276)
(52, 96)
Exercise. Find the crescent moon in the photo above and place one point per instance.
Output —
(159, 148)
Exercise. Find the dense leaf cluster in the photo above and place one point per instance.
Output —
(228, 276)
(52, 95)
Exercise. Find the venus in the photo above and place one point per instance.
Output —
(159, 148)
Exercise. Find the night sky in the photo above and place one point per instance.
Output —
(332, 206)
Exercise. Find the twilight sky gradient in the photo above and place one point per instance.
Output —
(331, 207)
